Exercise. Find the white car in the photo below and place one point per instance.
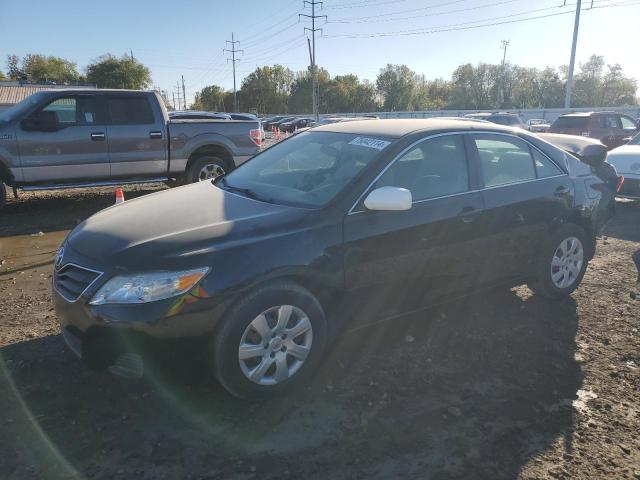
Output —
(538, 125)
(626, 159)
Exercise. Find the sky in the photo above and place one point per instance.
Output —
(432, 37)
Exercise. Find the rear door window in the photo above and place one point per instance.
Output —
(504, 160)
(129, 110)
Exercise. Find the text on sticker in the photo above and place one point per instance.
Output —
(369, 142)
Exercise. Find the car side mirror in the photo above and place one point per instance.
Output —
(389, 198)
(41, 121)
(593, 155)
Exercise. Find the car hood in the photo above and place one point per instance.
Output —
(626, 159)
(168, 228)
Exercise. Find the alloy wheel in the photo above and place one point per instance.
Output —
(275, 345)
(566, 263)
(210, 171)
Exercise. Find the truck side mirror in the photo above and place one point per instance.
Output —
(41, 121)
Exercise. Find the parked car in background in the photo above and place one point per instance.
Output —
(196, 115)
(295, 124)
(243, 116)
(611, 128)
(478, 116)
(507, 119)
(626, 160)
(538, 125)
(330, 120)
(271, 121)
(397, 212)
(81, 138)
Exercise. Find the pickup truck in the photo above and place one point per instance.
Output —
(60, 139)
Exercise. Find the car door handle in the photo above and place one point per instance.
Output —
(98, 136)
(155, 134)
(561, 191)
(467, 214)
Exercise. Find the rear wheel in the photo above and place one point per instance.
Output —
(207, 168)
(563, 263)
(272, 340)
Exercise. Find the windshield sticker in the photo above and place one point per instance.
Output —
(369, 142)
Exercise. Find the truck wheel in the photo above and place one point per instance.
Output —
(270, 341)
(562, 264)
(207, 168)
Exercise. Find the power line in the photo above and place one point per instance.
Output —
(233, 59)
(468, 25)
(385, 18)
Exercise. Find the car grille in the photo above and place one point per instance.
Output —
(72, 280)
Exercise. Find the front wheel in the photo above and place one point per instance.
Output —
(562, 264)
(270, 341)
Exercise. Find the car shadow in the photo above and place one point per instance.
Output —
(625, 225)
(474, 388)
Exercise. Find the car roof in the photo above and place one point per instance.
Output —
(396, 128)
(588, 114)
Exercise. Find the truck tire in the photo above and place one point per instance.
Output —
(207, 168)
(562, 263)
(270, 341)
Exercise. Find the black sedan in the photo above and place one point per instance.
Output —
(252, 266)
(293, 125)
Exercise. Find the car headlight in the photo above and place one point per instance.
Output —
(147, 287)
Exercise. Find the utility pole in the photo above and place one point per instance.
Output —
(178, 85)
(505, 44)
(174, 100)
(233, 59)
(572, 62)
(313, 30)
(131, 51)
(184, 95)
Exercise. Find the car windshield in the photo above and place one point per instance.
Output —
(504, 120)
(308, 170)
(570, 122)
(19, 108)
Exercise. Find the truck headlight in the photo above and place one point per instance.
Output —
(147, 287)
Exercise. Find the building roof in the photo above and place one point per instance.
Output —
(396, 128)
(13, 92)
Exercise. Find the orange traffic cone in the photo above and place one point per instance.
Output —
(119, 195)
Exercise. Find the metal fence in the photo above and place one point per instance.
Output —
(549, 114)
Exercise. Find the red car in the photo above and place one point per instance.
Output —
(611, 128)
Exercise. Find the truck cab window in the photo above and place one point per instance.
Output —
(129, 111)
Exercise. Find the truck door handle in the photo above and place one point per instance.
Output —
(467, 214)
(155, 134)
(98, 136)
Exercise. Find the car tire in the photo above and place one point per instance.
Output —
(562, 263)
(264, 354)
(207, 167)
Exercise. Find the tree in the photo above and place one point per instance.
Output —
(396, 84)
(109, 71)
(2, 75)
(300, 97)
(210, 98)
(267, 89)
(40, 68)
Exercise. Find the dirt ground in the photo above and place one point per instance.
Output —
(499, 385)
